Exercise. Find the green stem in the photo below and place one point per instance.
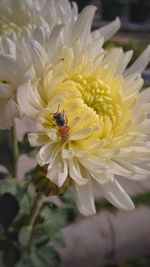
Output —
(35, 209)
(15, 152)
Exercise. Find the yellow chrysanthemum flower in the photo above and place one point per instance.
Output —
(92, 122)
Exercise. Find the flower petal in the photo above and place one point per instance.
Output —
(39, 35)
(102, 177)
(140, 64)
(8, 70)
(44, 155)
(8, 46)
(116, 195)
(6, 91)
(39, 57)
(84, 198)
(54, 40)
(109, 30)
(59, 172)
(29, 98)
(75, 172)
(37, 139)
(81, 30)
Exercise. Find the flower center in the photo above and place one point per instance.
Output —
(100, 97)
(92, 102)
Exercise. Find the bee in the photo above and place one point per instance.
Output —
(61, 122)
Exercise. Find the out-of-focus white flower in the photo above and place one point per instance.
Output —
(106, 128)
(16, 15)
(14, 62)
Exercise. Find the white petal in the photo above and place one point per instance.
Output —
(116, 195)
(126, 57)
(44, 155)
(131, 167)
(8, 69)
(140, 64)
(54, 39)
(37, 139)
(84, 198)
(102, 177)
(67, 153)
(23, 56)
(53, 156)
(109, 30)
(119, 169)
(82, 27)
(115, 58)
(93, 163)
(28, 98)
(6, 91)
(53, 134)
(59, 172)
(75, 172)
(39, 57)
(132, 84)
(9, 46)
(94, 48)
(39, 36)
(140, 177)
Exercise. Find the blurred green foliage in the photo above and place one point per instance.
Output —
(20, 244)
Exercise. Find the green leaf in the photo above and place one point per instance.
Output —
(36, 261)
(70, 206)
(50, 255)
(9, 209)
(39, 237)
(57, 240)
(8, 185)
(25, 205)
(25, 235)
(54, 219)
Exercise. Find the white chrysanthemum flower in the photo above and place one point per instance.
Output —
(14, 62)
(105, 129)
(16, 15)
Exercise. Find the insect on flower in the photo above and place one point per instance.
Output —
(61, 122)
